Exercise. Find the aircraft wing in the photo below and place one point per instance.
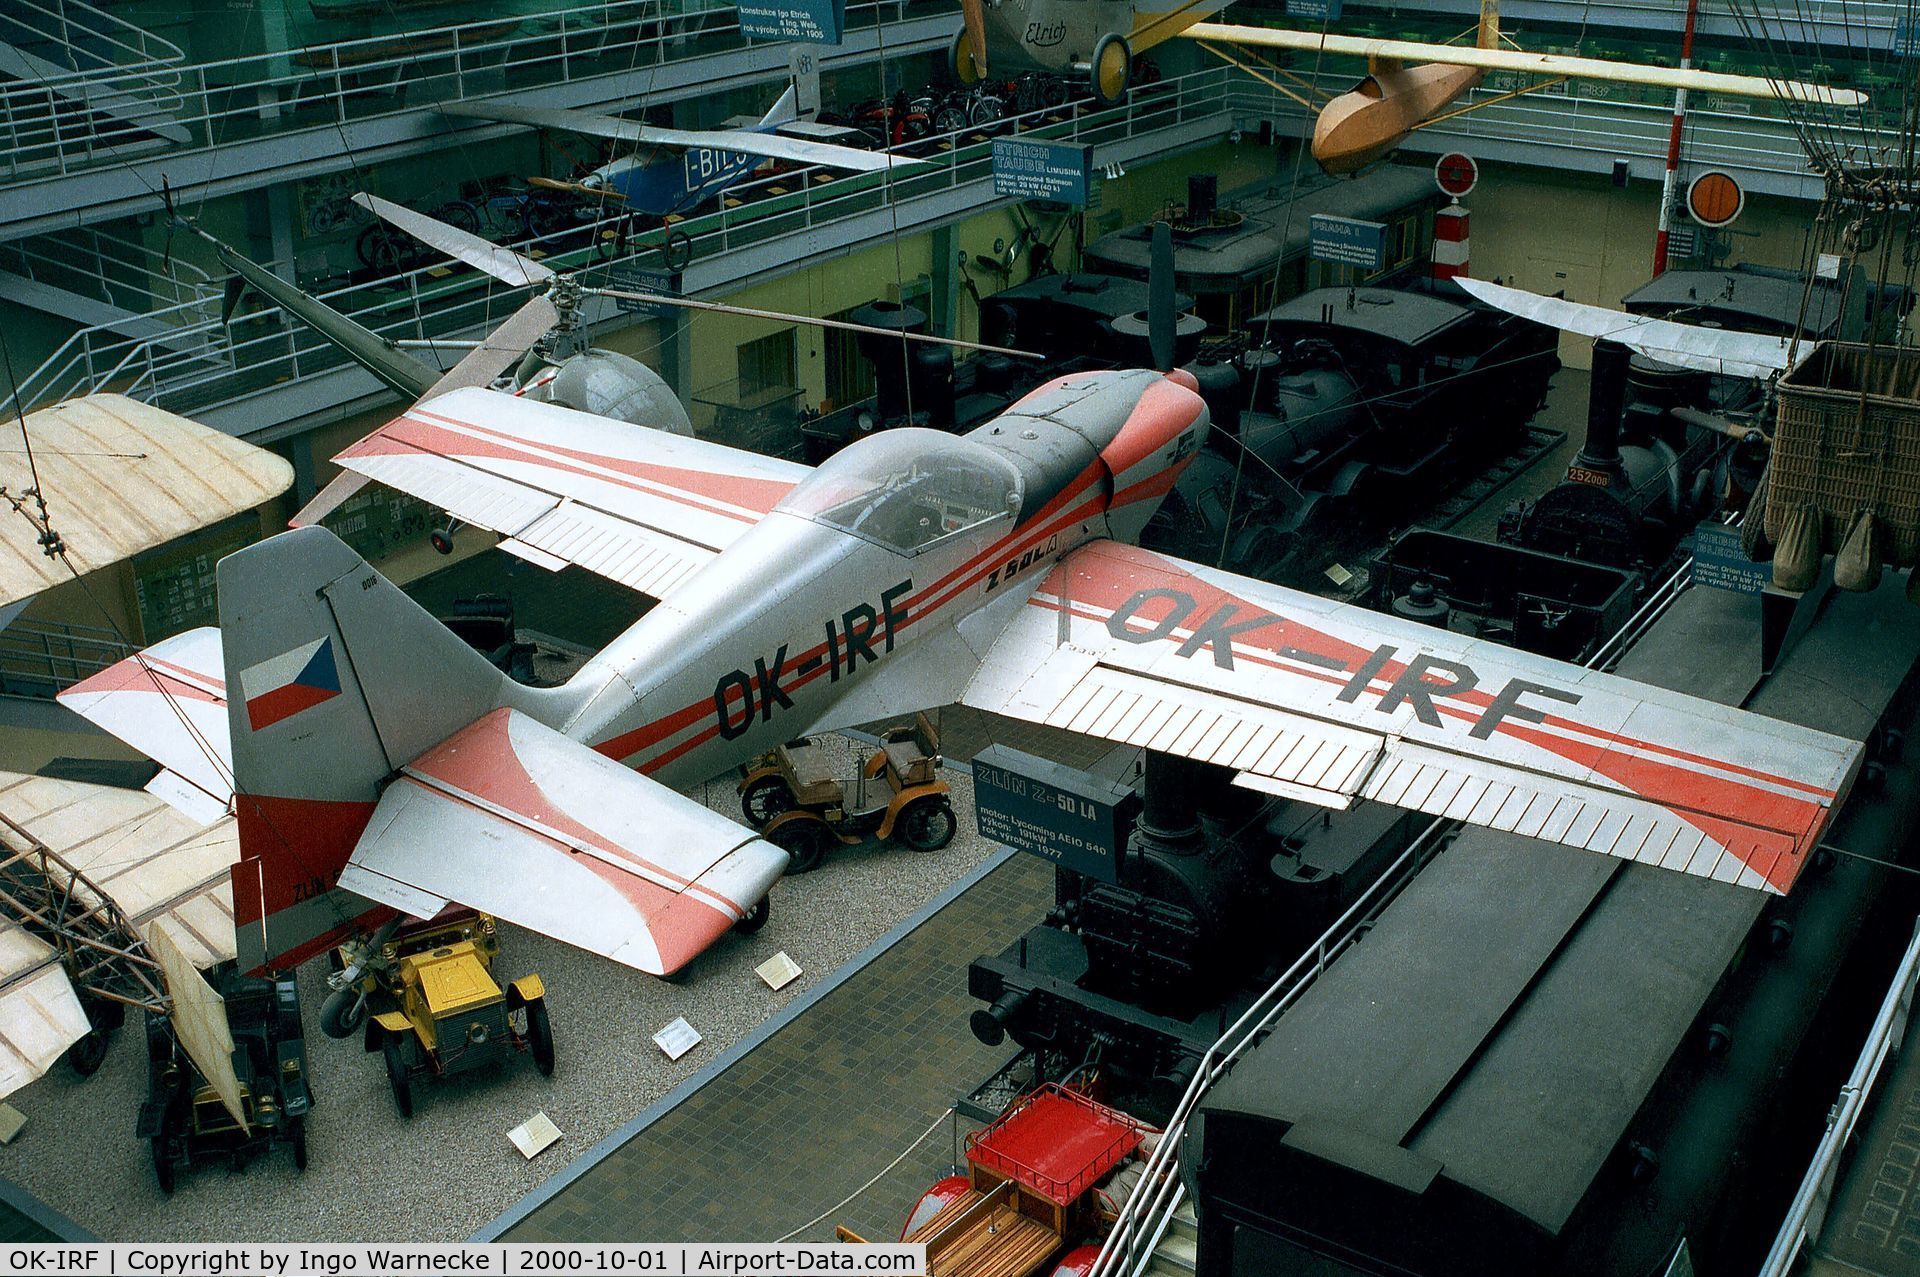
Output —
(518, 820)
(1714, 350)
(157, 865)
(1542, 64)
(170, 703)
(774, 146)
(641, 507)
(1328, 703)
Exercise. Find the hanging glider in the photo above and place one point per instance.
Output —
(673, 186)
(1724, 351)
(1410, 82)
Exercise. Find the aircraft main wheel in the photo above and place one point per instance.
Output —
(342, 1014)
(927, 824)
(960, 58)
(1112, 69)
(87, 1055)
(676, 250)
(397, 1074)
(540, 1036)
(755, 918)
(764, 799)
(163, 1163)
(806, 841)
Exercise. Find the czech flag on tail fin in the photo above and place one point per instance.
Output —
(284, 685)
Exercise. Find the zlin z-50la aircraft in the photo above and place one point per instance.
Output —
(377, 763)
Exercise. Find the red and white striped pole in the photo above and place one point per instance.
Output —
(1667, 182)
(1450, 242)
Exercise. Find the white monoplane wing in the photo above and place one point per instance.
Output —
(518, 820)
(170, 703)
(1328, 703)
(774, 146)
(1542, 64)
(638, 506)
(1716, 350)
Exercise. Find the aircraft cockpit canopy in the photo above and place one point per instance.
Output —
(908, 488)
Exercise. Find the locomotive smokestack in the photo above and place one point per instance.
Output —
(1203, 198)
(1605, 397)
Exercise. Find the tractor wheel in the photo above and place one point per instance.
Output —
(927, 824)
(342, 1014)
(299, 1125)
(806, 841)
(755, 918)
(764, 799)
(397, 1074)
(1112, 69)
(163, 1163)
(540, 1036)
(87, 1055)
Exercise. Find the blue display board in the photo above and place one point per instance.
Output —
(1057, 171)
(638, 279)
(1047, 810)
(1719, 561)
(1906, 37)
(1347, 241)
(1318, 10)
(819, 21)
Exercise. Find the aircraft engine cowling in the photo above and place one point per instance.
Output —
(610, 384)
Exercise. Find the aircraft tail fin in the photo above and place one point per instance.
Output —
(335, 679)
(785, 111)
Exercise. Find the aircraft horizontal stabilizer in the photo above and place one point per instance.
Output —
(1713, 350)
(169, 701)
(773, 146)
(1328, 703)
(516, 819)
(1542, 64)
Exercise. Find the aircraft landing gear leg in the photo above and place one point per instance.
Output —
(1111, 70)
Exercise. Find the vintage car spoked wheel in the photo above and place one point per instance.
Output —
(806, 841)
(928, 824)
(766, 798)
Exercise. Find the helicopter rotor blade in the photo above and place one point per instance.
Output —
(503, 264)
(688, 303)
(494, 355)
(976, 19)
(1161, 320)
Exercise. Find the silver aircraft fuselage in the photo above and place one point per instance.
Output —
(895, 540)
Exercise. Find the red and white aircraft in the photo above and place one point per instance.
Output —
(378, 762)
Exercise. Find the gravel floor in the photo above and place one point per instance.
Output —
(375, 1177)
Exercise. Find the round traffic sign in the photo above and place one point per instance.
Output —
(1456, 174)
(1714, 198)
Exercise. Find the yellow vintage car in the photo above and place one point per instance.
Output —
(426, 994)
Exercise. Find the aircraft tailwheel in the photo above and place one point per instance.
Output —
(960, 58)
(1112, 69)
(754, 918)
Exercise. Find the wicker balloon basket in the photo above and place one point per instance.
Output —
(1845, 473)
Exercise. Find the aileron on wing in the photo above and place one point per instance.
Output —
(1314, 700)
(638, 506)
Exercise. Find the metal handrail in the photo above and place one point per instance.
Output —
(150, 52)
(1809, 1210)
(264, 349)
(372, 77)
(1129, 1245)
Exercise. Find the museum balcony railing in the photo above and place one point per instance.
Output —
(777, 224)
(771, 226)
(1841, 24)
(350, 82)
